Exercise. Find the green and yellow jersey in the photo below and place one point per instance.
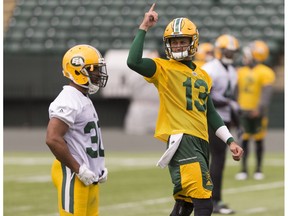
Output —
(183, 88)
(250, 84)
(183, 96)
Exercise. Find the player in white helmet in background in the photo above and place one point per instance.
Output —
(255, 87)
(74, 135)
(224, 77)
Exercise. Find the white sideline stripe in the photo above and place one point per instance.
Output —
(25, 161)
(136, 204)
(39, 179)
(129, 162)
(257, 187)
(255, 210)
(267, 186)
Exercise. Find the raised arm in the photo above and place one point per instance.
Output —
(143, 66)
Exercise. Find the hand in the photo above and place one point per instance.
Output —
(254, 113)
(150, 19)
(85, 175)
(236, 150)
(104, 176)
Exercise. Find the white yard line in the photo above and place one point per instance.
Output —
(138, 204)
(116, 161)
(257, 187)
(268, 186)
(255, 210)
(114, 164)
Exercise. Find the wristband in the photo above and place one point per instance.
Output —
(230, 140)
(224, 134)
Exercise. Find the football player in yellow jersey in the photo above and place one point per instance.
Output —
(185, 111)
(204, 54)
(255, 86)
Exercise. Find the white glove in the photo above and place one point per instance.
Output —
(86, 175)
(104, 176)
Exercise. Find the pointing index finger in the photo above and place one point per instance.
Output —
(152, 7)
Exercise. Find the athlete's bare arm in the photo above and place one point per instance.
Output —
(56, 130)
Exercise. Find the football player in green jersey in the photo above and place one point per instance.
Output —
(185, 111)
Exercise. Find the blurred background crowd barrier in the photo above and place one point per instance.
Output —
(38, 32)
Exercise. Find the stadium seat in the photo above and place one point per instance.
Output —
(277, 34)
(117, 21)
(277, 20)
(235, 21)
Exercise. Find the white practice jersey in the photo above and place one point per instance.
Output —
(224, 84)
(83, 138)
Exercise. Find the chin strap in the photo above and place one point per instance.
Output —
(92, 89)
(179, 55)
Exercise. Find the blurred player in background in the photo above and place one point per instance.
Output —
(224, 77)
(143, 108)
(74, 135)
(205, 53)
(255, 86)
(184, 112)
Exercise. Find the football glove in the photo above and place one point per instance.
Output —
(104, 176)
(86, 176)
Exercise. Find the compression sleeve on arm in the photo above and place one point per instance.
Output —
(144, 66)
(217, 124)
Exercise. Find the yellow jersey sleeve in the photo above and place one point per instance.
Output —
(183, 99)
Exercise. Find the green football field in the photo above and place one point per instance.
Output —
(136, 186)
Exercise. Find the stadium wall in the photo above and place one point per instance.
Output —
(31, 82)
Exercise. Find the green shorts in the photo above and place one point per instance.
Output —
(189, 169)
(251, 125)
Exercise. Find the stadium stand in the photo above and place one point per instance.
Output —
(38, 16)
(38, 32)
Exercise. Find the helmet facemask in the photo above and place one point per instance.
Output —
(184, 53)
(228, 56)
(97, 76)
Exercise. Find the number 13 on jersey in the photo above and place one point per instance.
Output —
(196, 93)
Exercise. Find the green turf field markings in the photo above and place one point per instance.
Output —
(27, 161)
(119, 162)
(18, 209)
(137, 204)
(255, 210)
(258, 187)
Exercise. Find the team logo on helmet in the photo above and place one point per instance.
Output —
(77, 61)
